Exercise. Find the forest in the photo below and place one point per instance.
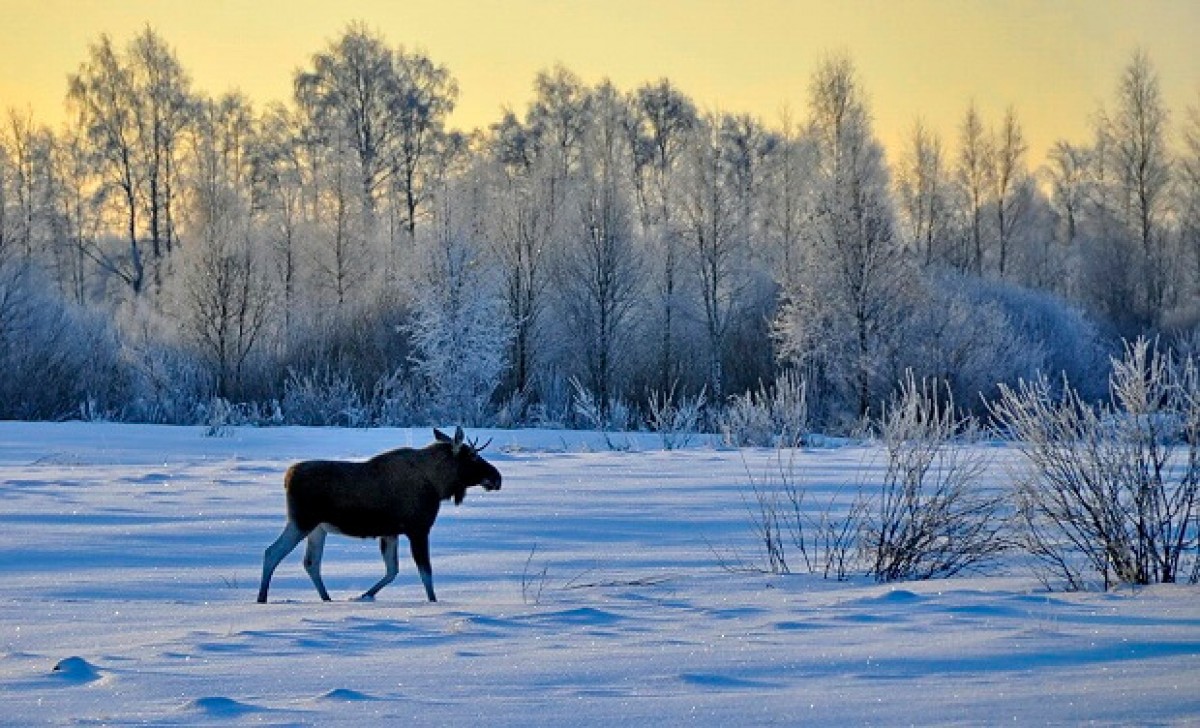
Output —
(609, 258)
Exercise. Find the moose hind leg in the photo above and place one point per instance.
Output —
(387, 547)
(277, 552)
(312, 559)
(419, 545)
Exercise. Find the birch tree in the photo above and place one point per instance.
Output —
(1011, 185)
(599, 270)
(922, 189)
(664, 118)
(844, 313)
(426, 95)
(714, 230)
(103, 95)
(972, 173)
(1137, 129)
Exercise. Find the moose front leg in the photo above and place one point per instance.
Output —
(419, 545)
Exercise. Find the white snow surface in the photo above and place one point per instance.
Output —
(588, 591)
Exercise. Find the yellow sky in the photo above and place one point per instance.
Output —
(1055, 61)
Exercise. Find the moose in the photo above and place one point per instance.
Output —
(396, 492)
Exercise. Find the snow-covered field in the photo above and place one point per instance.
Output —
(587, 592)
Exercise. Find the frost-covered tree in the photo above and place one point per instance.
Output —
(787, 194)
(5, 182)
(459, 330)
(972, 173)
(341, 257)
(716, 230)
(537, 162)
(1067, 171)
(280, 176)
(136, 108)
(922, 186)
(75, 214)
(599, 268)
(1135, 183)
(104, 97)
(425, 96)
(1013, 187)
(166, 113)
(843, 313)
(349, 91)
(1187, 193)
(663, 120)
(226, 300)
(523, 230)
(25, 144)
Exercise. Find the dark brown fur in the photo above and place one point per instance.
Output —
(390, 494)
(395, 493)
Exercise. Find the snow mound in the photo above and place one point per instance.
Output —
(77, 670)
(217, 706)
(345, 695)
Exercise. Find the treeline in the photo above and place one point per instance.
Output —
(603, 256)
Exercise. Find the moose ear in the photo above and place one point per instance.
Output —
(440, 436)
(458, 438)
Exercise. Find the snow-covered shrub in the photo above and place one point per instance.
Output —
(792, 533)
(220, 416)
(775, 415)
(167, 383)
(972, 335)
(613, 416)
(460, 353)
(927, 518)
(746, 421)
(676, 418)
(1111, 495)
(931, 518)
(555, 404)
(593, 414)
(394, 401)
(323, 396)
(513, 410)
(54, 357)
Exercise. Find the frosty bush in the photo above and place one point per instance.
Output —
(774, 415)
(1113, 490)
(512, 410)
(675, 418)
(323, 397)
(394, 401)
(462, 362)
(606, 418)
(220, 417)
(54, 356)
(789, 532)
(931, 518)
(927, 518)
(167, 383)
(972, 334)
(747, 422)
